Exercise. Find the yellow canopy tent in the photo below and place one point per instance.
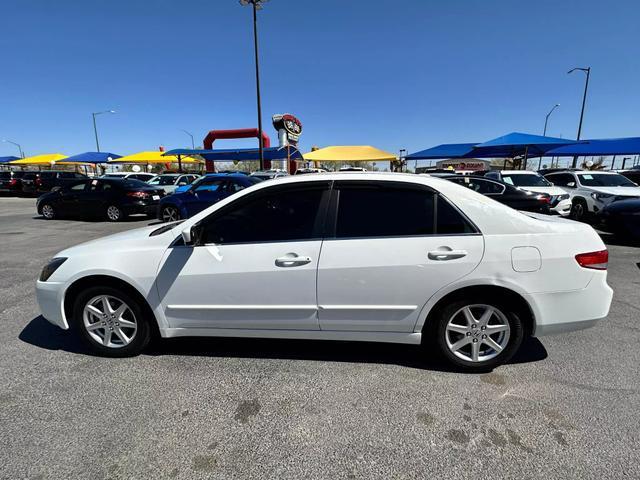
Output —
(349, 153)
(153, 157)
(46, 159)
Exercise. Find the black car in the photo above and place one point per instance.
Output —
(46, 180)
(109, 198)
(11, 182)
(621, 217)
(633, 175)
(504, 193)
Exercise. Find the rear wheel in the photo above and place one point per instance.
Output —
(477, 334)
(170, 214)
(111, 322)
(579, 210)
(115, 213)
(48, 211)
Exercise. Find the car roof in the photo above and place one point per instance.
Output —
(519, 172)
(226, 175)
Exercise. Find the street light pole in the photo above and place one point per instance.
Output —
(95, 128)
(17, 145)
(193, 145)
(257, 5)
(586, 70)
(546, 119)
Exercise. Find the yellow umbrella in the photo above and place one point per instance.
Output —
(152, 157)
(46, 159)
(349, 153)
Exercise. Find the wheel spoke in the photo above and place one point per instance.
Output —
(452, 327)
(93, 310)
(126, 323)
(105, 305)
(460, 343)
(120, 310)
(475, 351)
(120, 334)
(469, 316)
(491, 329)
(95, 326)
(486, 316)
(492, 343)
(107, 337)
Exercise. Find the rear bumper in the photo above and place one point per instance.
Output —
(50, 300)
(558, 312)
(148, 208)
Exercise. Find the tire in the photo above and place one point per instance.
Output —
(456, 335)
(114, 213)
(170, 214)
(579, 210)
(47, 211)
(110, 337)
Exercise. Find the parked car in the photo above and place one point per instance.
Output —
(110, 198)
(11, 181)
(399, 258)
(170, 181)
(46, 180)
(302, 171)
(269, 174)
(591, 191)
(633, 175)
(143, 177)
(504, 193)
(559, 202)
(201, 194)
(349, 168)
(621, 217)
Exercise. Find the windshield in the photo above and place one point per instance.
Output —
(605, 180)
(525, 180)
(163, 180)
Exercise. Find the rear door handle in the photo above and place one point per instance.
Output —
(446, 254)
(292, 260)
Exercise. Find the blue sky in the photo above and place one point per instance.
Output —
(394, 74)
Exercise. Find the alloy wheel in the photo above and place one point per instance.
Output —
(109, 321)
(47, 212)
(113, 213)
(170, 214)
(477, 333)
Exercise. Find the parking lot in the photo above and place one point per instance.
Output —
(565, 406)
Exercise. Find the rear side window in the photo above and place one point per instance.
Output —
(275, 215)
(450, 221)
(560, 179)
(48, 175)
(378, 210)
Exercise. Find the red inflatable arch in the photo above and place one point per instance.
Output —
(214, 135)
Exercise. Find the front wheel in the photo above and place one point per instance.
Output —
(477, 335)
(579, 210)
(111, 322)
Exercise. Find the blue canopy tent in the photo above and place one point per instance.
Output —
(446, 150)
(240, 154)
(92, 157)
(517, 144)
(8, 159)
(608, 147)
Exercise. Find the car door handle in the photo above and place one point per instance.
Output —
(292, 260)
(446, 254)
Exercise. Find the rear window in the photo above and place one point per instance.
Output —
(5, 175)
(29, 176)
(131, 184)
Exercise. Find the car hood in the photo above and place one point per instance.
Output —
(548, 190)
(620, 191)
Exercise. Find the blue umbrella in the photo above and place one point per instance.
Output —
(93, 157)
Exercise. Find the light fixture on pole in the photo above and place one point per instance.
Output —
(16, 144)
(193, 145)
(257, 5)
(586, 70)
(95, 128)
(546, 119)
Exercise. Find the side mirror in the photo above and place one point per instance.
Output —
(571, 184)
(192, 236)
(56, 189)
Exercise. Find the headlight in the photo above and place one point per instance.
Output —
(563, 197)
(600, 196)
(51, 267)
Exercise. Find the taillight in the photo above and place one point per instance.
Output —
(595, 260)
(544, 198)
(13, 181)
(137, 194)
(38, 181)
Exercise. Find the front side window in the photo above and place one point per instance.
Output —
(210, 185)
(273, 215)
(379, 210)
(484, 187)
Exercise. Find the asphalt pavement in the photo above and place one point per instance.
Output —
(565, 407)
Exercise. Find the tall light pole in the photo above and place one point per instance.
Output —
(95, 128)
(193, 145)
(257, 5)
(16, 144)
(586, 70)
(546, 119)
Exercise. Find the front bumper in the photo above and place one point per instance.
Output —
(562, 208)
(558, 312)
(50, 296)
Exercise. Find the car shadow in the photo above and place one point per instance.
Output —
(618, 240)
(128, 219)
(40, 333)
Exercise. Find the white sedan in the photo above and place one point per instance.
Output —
(343, 256)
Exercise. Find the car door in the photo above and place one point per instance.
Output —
(255, 267)
(392, 247)
(72, 199)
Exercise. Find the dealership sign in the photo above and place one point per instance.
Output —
(289, 128)
(470, 164)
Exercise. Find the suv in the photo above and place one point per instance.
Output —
(269, 174)
(591, 191)
(170, 181)
(559, 201)
(45, 180)
(143, 177)
(11, 181)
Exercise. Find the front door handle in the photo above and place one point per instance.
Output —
(447, 254)
(292, 260)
